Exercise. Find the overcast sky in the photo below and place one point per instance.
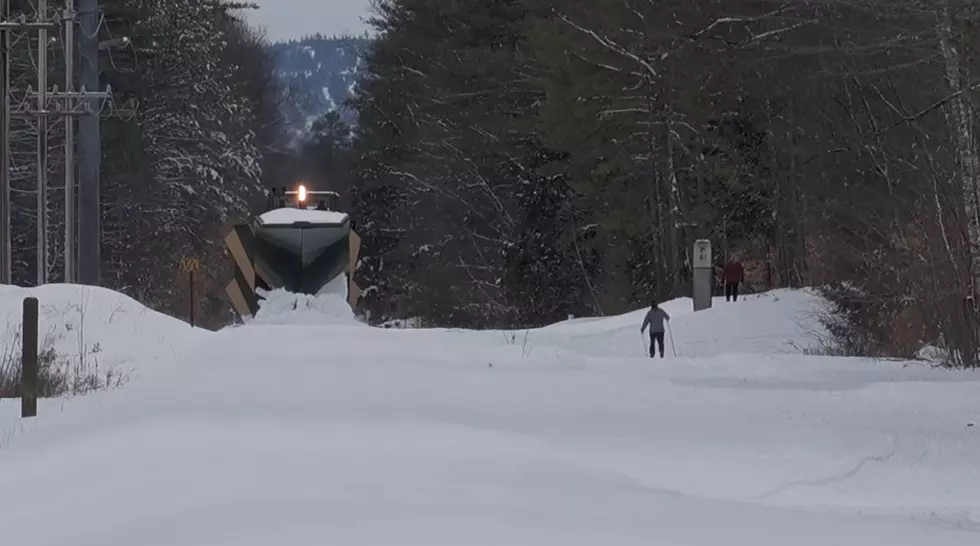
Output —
(286, 19)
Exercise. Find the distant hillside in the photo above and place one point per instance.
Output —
(318, 74)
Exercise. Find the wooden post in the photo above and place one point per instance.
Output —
(28, 362)
(190, 266)
(190, 279)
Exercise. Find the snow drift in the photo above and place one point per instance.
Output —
(95, 326)
(342, 434)
(771, 323)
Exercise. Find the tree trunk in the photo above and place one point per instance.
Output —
(960, 114)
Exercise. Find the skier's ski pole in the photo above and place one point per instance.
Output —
(671, 334)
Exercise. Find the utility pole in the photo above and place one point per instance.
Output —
(5, 223)
(70, 251)
(89, 152)
(42, 143)
(49, 104)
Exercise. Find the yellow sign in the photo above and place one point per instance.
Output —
(190, 265)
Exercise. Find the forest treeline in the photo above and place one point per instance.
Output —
(517, 161)
(522, 160)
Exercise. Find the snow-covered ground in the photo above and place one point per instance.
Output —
(337, 433)
(93, 332)
(95, 327)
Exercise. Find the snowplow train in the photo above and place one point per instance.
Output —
(295, 245)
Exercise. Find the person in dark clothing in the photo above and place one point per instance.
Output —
(733, 275)
(655, 319)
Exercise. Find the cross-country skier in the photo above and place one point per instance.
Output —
(655, 319)
(733, 275)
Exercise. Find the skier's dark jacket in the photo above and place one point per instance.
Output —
(655, 320)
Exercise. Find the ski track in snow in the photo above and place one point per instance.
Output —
(306, 425)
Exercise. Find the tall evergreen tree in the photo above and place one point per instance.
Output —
(447, 91)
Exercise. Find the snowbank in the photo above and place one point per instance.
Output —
(96, 328)
(777, 322)
(354, 435)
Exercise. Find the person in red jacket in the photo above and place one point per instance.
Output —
(733, 275)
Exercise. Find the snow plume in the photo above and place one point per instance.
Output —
(329, 306)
